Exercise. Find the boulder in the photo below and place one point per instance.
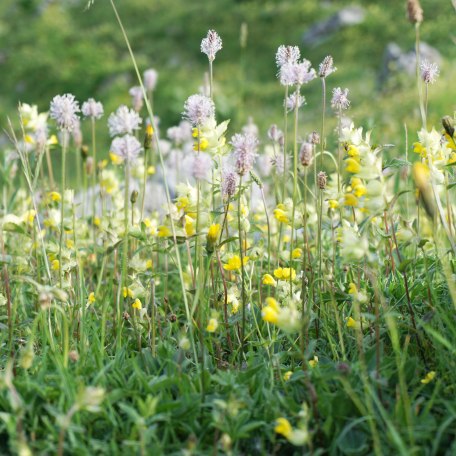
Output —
(346, 17)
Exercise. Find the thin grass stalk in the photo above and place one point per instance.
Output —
(165, 181)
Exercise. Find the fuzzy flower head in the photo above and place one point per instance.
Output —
(63, 110)
(93, 109)
(287, 54)
(202, 164)
(150, 78)
(211, 44)
(229, 183)
(137, 98)
(126, 147)
(245, 147)
(429, 72)
(294, 101)
(123, 121)
(326, 67)
(340, 99)
(198, 109)
(296, 74)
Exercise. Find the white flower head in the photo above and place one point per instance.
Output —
(326, 67)
(245, 147)
(294, 101)
(198, 109)
(202, 164)
(126, 147)
(150, 78)
(137, 98)
(287, 54)
(93, 109)
(123, 121)
(297, 74)
(429, 72)
(211, 44)
(63, 110)
(229, 183)
(340, 99)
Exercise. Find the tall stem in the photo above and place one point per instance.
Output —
(62, 203)
(241, 248)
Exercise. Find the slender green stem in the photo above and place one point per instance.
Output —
(62, 204)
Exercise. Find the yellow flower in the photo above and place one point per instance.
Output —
(115, 159)
(281, 215)
(418, 148)
(353, 166)
(189, 226)
(54, 196)
(285, 273)
(270, 312)
(182, 202)
(287, 375)
(127, 292)
(352, 288)
(69, 243)
(428, 378)
(213, 233)
(201, 145)
(313, 362)
(234, 263)
(164, 231)
(137, 304)
(55, 265)
(149, 130)
(350, 200)
(149, 264)
(29, 216)
(283, 427)
(269, 280)
(359, 188)
(333, 204)
(352, 323)
(296, 253)
(96, 221)
(212, 325)
(151, 170)
(91, 298)
(352, 151)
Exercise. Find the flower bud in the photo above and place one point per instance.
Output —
(448, 125)
(321, 179)
(305, 154)
(414, 11)
(89, 167)
(134, 196)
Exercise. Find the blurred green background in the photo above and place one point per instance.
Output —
(50, 47)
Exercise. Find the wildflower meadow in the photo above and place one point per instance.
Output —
(215, 288)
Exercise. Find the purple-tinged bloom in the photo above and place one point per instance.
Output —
(326, 67)
(429, 72)
(245, 147)
(123, 121)
(287, 54)
(93, 109)
(150, 78)
(63, 110)
(340, 99)
(211, 44)
(126, 147)
(198, 109)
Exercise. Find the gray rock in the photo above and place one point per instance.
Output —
(395, 60)
(346, 17)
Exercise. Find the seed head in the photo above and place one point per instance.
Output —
(414, 11)
(93, 109)
(229, 183)
(340, 99)
(287, 54)
(198, 109)
(306, 154)
(123, 121)
(429, 72)
(326, 67)
(322, 179)
(150, 78)
(126, 147)
(274, 133)
(314, 138)
(211, 44)
(63, 110)
(245, 147)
